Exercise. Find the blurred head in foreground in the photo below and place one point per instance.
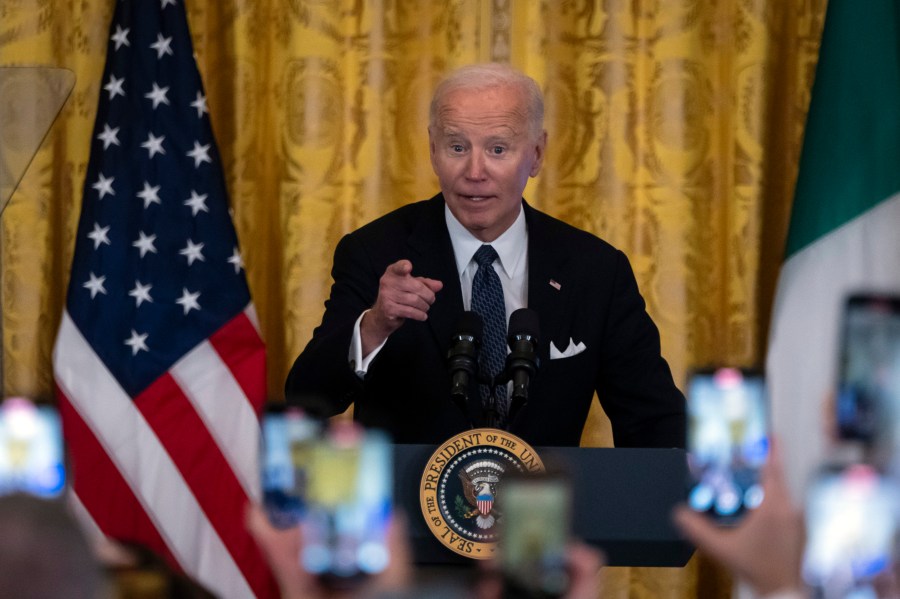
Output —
(44, 554)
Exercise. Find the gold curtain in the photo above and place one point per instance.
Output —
(674, 131)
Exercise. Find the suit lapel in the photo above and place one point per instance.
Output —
(550, 287)
(432, 256)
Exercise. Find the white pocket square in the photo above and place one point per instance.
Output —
(573, 350)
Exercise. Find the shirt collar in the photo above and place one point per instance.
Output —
(510, 246)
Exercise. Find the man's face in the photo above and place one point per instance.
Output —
(483, 154)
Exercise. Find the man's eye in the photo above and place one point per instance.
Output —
(457, 148)
(497, 150)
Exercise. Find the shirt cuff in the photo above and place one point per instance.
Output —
(358, 363)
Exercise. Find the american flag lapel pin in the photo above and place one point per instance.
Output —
(555, 285)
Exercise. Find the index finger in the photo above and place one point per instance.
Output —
(433, 284)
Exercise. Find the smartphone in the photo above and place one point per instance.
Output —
(536, 526)
(851, 523)
(727, 442)
(868, 386)
(288, 436)
(348, 504)
(336, 483)
(32, 459)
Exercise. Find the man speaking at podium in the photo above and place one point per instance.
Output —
(403, 282)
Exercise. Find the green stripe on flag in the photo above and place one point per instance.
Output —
(851, 148)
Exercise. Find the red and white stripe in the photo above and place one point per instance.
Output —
(174, 467)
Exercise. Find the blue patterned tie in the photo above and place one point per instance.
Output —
(487, 301)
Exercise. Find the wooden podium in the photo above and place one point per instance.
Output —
(623, 499)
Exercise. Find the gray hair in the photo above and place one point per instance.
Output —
(490, 75)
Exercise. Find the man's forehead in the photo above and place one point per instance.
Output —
(490, 100)
(483, 120)
(448, 128)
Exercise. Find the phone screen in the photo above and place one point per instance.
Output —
(727, 441)
(336, 484)
(288, 437)
(851, 517)
(348, 504)
(32, 459)
(868, 389)
(536, 527)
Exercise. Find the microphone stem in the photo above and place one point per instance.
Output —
(493, 416)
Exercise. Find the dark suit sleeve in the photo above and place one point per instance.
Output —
(322, 380)
(634, 383)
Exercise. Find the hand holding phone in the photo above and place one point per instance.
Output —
(727, 441)
(349, 505)
(851, 522)
(333, 483)
(765, 549)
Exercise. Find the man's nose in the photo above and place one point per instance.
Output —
(475, 167)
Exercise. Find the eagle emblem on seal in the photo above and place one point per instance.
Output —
(479, 482)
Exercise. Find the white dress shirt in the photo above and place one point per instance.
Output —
(511, 267)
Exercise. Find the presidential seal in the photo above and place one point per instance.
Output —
(461, 490)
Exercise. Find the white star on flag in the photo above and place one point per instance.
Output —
(99, 235)
(154, 144)
(109, 136)
(193, 251)
(95, 284)
(149, 194)
(200, 105)
(197, 203)
(162, 45)
(120, 37)
(188, 300)
(200, 154)
(237, 261)
(114, 87)
(137, 342)
(145, 243)
(157, 95)
(141, 293)
(104, 186)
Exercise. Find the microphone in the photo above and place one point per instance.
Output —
(462, 358)
(522, 363)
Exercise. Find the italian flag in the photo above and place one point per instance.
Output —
(844, 234)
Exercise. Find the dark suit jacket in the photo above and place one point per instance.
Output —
(407, 387)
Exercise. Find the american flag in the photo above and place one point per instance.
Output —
(159, 365)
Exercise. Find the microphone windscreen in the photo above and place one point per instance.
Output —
(470, 324)
(524, 321)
